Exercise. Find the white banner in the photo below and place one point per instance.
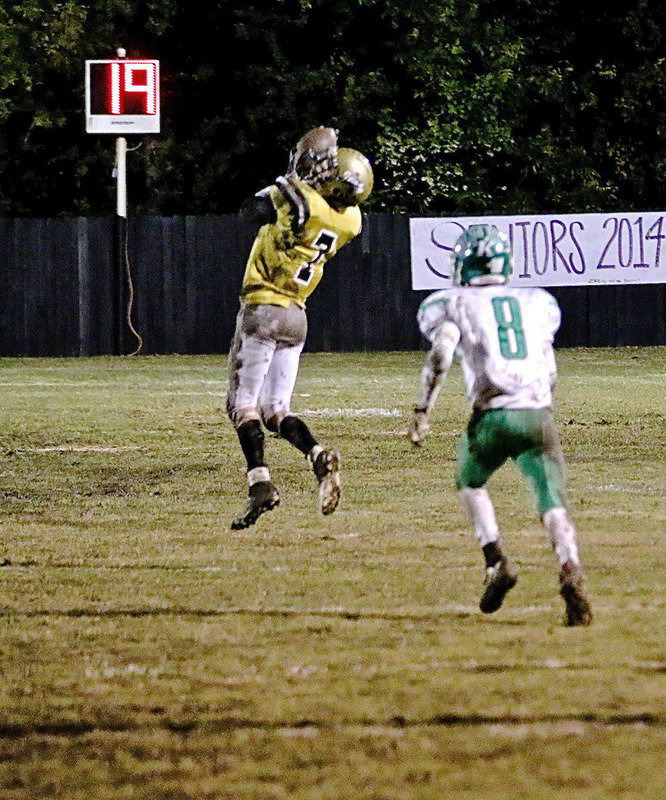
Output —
(552, 250)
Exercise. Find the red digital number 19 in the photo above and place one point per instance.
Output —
(125, 79)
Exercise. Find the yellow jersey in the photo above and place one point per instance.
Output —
(287, 258)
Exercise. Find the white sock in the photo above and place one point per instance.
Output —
(258, 475)
(481, 514)
(312, 455)
(562, 534)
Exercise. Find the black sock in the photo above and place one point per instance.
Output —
(251, 439)
(296, 432)
(493, 553)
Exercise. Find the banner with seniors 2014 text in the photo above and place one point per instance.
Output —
(552, 250)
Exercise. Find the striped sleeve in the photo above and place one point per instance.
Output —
(432, 313)
(296, 201)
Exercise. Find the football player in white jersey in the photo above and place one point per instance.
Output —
(504, 336)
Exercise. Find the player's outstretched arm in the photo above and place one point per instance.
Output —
(435, 369)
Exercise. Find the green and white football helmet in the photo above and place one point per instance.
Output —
(482, 257)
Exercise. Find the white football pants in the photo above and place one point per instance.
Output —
(263, 362)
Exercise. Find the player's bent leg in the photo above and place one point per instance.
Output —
(275, 399)
(563, 539)
(501, 576)
(262, 494)
(325, 463)
(544, 470)
(475, 464)
(249, 361)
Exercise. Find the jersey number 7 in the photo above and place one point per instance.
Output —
(325, 243)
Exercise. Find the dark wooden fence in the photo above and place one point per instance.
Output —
(61, 292)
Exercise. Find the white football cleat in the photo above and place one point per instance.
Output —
(326, 468)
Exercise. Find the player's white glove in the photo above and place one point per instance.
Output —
(419, 427)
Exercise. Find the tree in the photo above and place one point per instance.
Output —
(478, 106)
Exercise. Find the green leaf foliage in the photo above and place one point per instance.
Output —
(522, 106)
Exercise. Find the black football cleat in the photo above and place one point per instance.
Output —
(263, 497)
(500, 578)
(577, 608)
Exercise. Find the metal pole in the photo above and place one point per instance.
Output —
(121, 176)
(121, 233)
(121, 240)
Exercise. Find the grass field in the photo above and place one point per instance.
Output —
(147, 651)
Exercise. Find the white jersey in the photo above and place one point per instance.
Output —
(506, 341)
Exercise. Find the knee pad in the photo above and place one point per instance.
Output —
(239, 416)
(272, 417)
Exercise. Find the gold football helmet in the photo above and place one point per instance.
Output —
(315, 158)
(352, 182)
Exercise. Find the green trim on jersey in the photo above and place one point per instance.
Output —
(527, 435)
(432, 302)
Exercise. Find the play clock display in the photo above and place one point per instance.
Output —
(123, 96)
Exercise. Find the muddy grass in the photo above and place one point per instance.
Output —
(149, 651)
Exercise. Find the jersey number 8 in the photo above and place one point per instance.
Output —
(509, 327)
(325, 243)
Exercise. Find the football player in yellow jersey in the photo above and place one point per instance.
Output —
(306, 216)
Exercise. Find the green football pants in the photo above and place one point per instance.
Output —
(527, 435)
